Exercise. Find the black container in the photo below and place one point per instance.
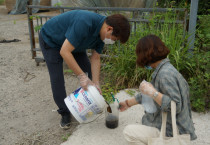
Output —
(111, 121)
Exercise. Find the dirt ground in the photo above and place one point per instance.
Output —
(26, 102)
(27, 113)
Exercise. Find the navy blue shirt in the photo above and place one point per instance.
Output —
(80, 27)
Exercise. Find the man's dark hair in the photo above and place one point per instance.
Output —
(150, 49)
(121, 26)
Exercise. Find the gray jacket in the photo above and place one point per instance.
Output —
(168, 81)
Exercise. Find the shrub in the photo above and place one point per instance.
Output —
(198, 69)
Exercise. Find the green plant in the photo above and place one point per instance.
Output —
(67, 71)
(130, 92)
(202, 32)
(65, 137)
(203, 5)
(37, 28)
(58, 4)
(198, 67)
(2, 2)
(199, 80)
(174, 3)
(107, 89)
(123, 68)
(31, 17)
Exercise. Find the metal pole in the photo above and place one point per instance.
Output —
(31, 30)
(192, 24)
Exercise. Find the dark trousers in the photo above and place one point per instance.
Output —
(54, 63)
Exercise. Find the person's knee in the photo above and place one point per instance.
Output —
(139, 133)
(130, 133)
(56, 76)
(128, 130)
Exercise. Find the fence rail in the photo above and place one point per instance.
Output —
(36, 21)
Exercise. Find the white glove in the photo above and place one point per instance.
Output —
(147, 88)
(84, 81)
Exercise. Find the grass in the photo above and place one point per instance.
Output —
(65, 137)
(2, 2)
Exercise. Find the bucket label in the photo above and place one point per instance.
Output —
(83, 117)
(75, 108)
(80, 106)
(76, 92)
(87, 114)
(85, 96)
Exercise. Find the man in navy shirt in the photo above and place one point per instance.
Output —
(68, 36)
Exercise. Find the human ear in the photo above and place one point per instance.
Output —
(109, 28)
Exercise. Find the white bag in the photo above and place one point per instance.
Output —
(177, 139)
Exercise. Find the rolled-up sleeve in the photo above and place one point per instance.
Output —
(165, 103)
(170, 90)
(99, 47)
(138, 98)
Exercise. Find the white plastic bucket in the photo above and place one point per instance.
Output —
(85, 105)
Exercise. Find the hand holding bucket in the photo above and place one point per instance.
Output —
(84, 81)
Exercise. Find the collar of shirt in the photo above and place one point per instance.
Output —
(97, 32)
(159, 66)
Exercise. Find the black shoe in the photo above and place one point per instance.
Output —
(65, 121)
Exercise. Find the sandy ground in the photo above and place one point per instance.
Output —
(26, 102)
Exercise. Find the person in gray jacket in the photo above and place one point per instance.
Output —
(167, 85)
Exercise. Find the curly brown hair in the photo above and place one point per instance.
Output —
(150, 49)
(121, 26)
